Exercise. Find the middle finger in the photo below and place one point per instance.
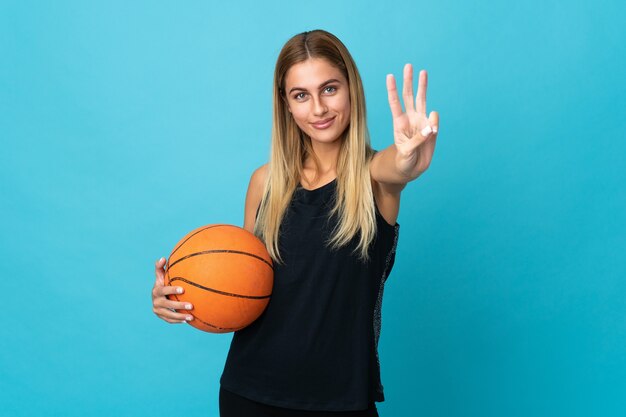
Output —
(407, 88)
(420, 102)
(177, 305)
(167, 290)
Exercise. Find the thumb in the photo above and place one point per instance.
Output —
(159, 271)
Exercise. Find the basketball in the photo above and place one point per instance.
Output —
(227, 275)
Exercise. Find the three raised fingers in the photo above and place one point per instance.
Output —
(407, 92)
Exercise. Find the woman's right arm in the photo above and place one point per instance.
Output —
(161, 305)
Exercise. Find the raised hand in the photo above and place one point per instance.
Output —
(414, 134)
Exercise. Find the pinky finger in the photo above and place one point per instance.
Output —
(173, 321)
(433, 120)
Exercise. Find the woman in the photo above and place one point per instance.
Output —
(326, 206)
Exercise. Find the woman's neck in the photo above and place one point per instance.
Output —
(327, 155)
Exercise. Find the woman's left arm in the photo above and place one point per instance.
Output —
(414, 135)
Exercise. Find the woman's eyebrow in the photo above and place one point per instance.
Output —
(332, 80)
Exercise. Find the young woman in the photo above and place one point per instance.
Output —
(326, 206)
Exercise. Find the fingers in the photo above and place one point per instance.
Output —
(178, 305)
(159, 271)
(165, 308)
(172, 316)
(407, 92)
(162, 291)
(407, 88)
(433, 125)
(420, 102)
(173, 310)
(426, 131)
(392, 95)
(433, 121)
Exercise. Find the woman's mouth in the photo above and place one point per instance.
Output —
(323, 124)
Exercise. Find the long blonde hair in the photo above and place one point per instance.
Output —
(291, 146)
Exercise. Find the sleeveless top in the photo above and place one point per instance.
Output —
(315, 347)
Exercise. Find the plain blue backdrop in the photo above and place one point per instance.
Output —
(126, 124)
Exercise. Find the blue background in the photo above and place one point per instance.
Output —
(126, 124)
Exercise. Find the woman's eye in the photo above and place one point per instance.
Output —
(329, 89)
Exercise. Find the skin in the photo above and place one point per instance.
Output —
(310, 99)
(161, 305)
(414, 134)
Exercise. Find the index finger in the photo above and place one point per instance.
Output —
(392, 95)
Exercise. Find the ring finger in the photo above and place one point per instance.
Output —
(171, 314)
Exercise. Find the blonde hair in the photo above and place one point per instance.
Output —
(290, 147)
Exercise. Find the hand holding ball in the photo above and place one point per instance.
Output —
(227, 274)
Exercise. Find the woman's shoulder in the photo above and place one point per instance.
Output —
(260, 175)
(254, 196)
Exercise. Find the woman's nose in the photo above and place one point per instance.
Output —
(319, 108)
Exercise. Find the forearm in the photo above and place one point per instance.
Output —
(385, 165)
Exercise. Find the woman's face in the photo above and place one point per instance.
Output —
(315, 92)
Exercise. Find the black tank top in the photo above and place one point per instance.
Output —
(315, 347)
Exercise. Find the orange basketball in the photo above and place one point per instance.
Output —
(227, 275)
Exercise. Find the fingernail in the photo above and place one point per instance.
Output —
(426, 131)
(179, 290)
(188, 318)
(435, 129)
(188, 306)
(162, 259)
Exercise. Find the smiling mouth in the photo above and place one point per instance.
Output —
(324, 123)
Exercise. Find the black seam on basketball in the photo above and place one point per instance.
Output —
(254, 297)
(212, 325)
(217, 327)
(183, 242)
(222, 251)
